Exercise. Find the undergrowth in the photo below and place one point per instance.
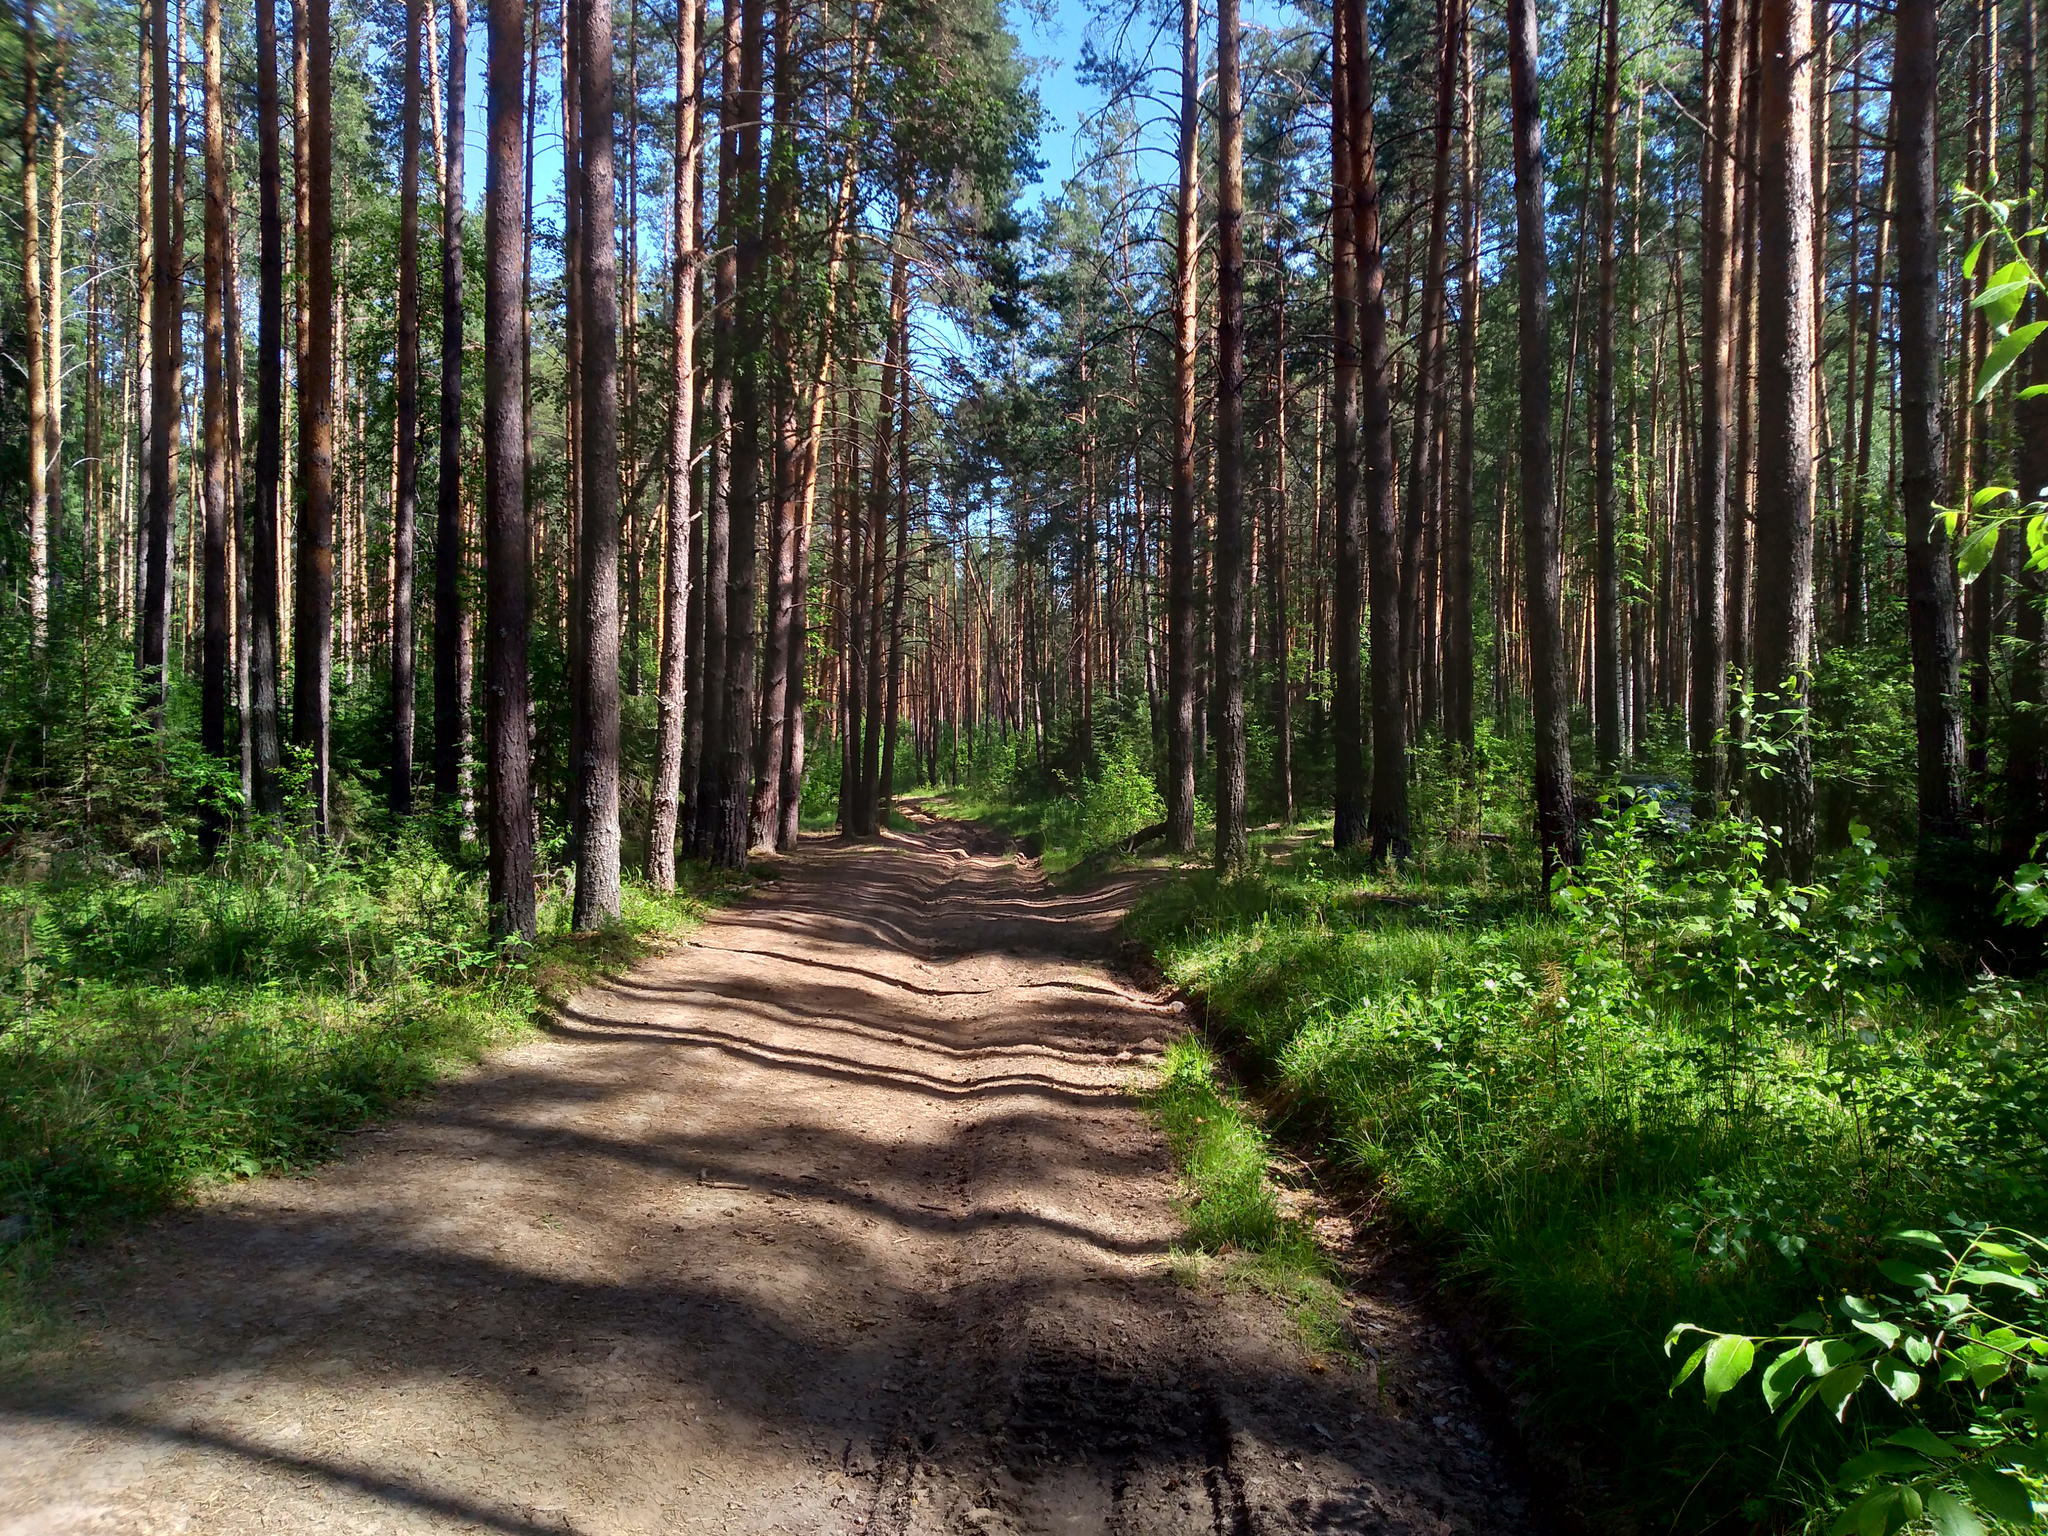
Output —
(1688, 1092)
(162, 1032)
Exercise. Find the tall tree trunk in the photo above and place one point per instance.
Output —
(1711, 461)
(1277, 596)
(1784, 513)
(1347, 598)
(1180, 565)
(898, 579)
(1233, 844)
(166, 341)
(597, 851)
(313, 608)
(1608, 736)
(1856, 607)
(405, 500)
(668, 747)
(38, 382)
(1458, 529)
(729, 842)
(2026, 749)
(213, 697)
(507, 738)
(1387, 816)
(1930, 577)
(1424, 456)
(265, 619)
(1556, 822)
(451, 637)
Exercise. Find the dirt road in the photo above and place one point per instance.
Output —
(841, 1218)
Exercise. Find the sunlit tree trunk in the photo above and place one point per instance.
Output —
(34, 360)
(668, 748)
(265, 619)
(405, 500)
(1457, 690)
(166, 341)
(1348, 577)
(213, 669)
(1607, 680)
(451, 632)
(1228, 634)
(597, 851)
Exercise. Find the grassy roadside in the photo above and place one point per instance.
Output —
(167, 1033)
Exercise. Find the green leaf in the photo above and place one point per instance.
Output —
(1880, 1512)
(1970, 260)
(1921, 1238)
(2000, 1495)
(1905, 1272)
(1976, 553)
(2002, 297)
(2007, 352)
(1925, 1441)
(1692, 1363)
(1839, 1385)
(1898, 1382)
(2020, 1283)
(1990, 493)
(1729, 1358)
(1823, 1355)
(1885, 1333)
(1853, 1307)
(1881, 1461)
(1951, 1516)
(1782, 1377)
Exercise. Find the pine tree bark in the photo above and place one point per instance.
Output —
(597, 852)
(265, 618)
(405, 498)
(1711, 460)
(166, 344)
(677, 596)
(313, 608)
(451, 637)
(1180, 564)
(1387, 815)
(1608, 738)
(38, 382)
(1784, 494)
(1556, 821)
(2025, 809)
(213, 695)
(1457, 688)
(507, 738)
(1348, 595)
(1233, 842)
(1931, 612)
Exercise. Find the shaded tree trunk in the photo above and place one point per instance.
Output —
(1233, 845)
(1556, 822)
(1457, 690)
(1348, 596)
(1180, 563)
(166, 343)
(313, 609)
(451, 638)
(1930, 575)
(213, 668)
(265, 617)
(1607, 682)
(39, 391)
(507, 739)
(1387, 815)
(405, 500)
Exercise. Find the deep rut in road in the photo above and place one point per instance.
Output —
(842, 1217)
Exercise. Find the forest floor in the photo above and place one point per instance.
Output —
(845, 1215)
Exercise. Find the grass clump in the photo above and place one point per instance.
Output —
(162, 1032)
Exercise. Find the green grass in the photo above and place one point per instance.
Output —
(1591, 1161)
(163, 1034)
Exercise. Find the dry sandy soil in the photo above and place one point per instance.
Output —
(842, 1217)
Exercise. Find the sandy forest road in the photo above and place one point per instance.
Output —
(841, 1218)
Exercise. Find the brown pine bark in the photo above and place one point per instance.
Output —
(677, 596)
(1930, 579)
(451, 633)
(1457, 662)
(38, 381)
(1711, 459)
(597, 850)
(2025, 809)
(507, 734)
(1784, 486)
(1277, 556)
(213, 686)
(1180, 563)
(1233, 845)
(1556, 822)
(166, 334)
(1608, 736)
(405, 497)
(265, 619)
(1387, 814)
